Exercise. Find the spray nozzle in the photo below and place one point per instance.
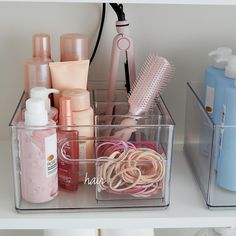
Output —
(221, 56)
(42, 92)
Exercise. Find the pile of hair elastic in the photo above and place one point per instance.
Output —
(133, 169)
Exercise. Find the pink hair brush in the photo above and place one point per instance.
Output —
(150, 84)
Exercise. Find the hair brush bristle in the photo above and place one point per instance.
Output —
(153, 78)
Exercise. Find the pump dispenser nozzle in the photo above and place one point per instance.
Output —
(35, 113)
(221, 56)
(42, 92)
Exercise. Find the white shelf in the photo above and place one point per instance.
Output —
(188, 2)
(187, 207)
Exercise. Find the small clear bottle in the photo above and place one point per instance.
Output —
(38, 154)
(68, 148)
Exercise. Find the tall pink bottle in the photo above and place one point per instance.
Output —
(37, 73)
(38, 154)
(67, 138)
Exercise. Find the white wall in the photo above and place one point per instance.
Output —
(184, 34)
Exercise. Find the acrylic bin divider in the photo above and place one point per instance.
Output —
(133, 173)
(209, 148)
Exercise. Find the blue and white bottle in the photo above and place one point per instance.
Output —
(214, 84)
(226, 169)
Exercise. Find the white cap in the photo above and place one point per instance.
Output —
(35, 113)
(221, 56)
(42, 92)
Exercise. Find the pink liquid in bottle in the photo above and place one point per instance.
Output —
(38, 158)
(38, 154)
(68, 170)
(68, 148)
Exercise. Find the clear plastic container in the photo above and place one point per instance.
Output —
(204, 145)
(133, 173)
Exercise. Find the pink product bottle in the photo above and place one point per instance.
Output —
(74, 47)
(37, 74)
(67, 148)
(42, 46)
(83, 119)
(38, 154)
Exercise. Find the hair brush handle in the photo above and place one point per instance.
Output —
(125, 133)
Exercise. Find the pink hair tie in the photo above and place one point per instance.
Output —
(130, 170)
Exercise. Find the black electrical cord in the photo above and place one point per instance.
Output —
(100, 32)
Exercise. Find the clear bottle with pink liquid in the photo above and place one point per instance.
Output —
(38, 154)
(68, 148)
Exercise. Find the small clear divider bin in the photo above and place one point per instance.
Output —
(210, 150)
(115, 165)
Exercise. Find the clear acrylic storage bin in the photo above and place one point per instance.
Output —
(209, 148)
(117, 172)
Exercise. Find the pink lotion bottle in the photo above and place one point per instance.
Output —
(68, 148)
(38, 154)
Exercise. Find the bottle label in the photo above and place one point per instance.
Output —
(209, 103)
(51, 155)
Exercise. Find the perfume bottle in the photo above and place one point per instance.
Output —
(68, 148)
(38, 154)
(83, 118)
